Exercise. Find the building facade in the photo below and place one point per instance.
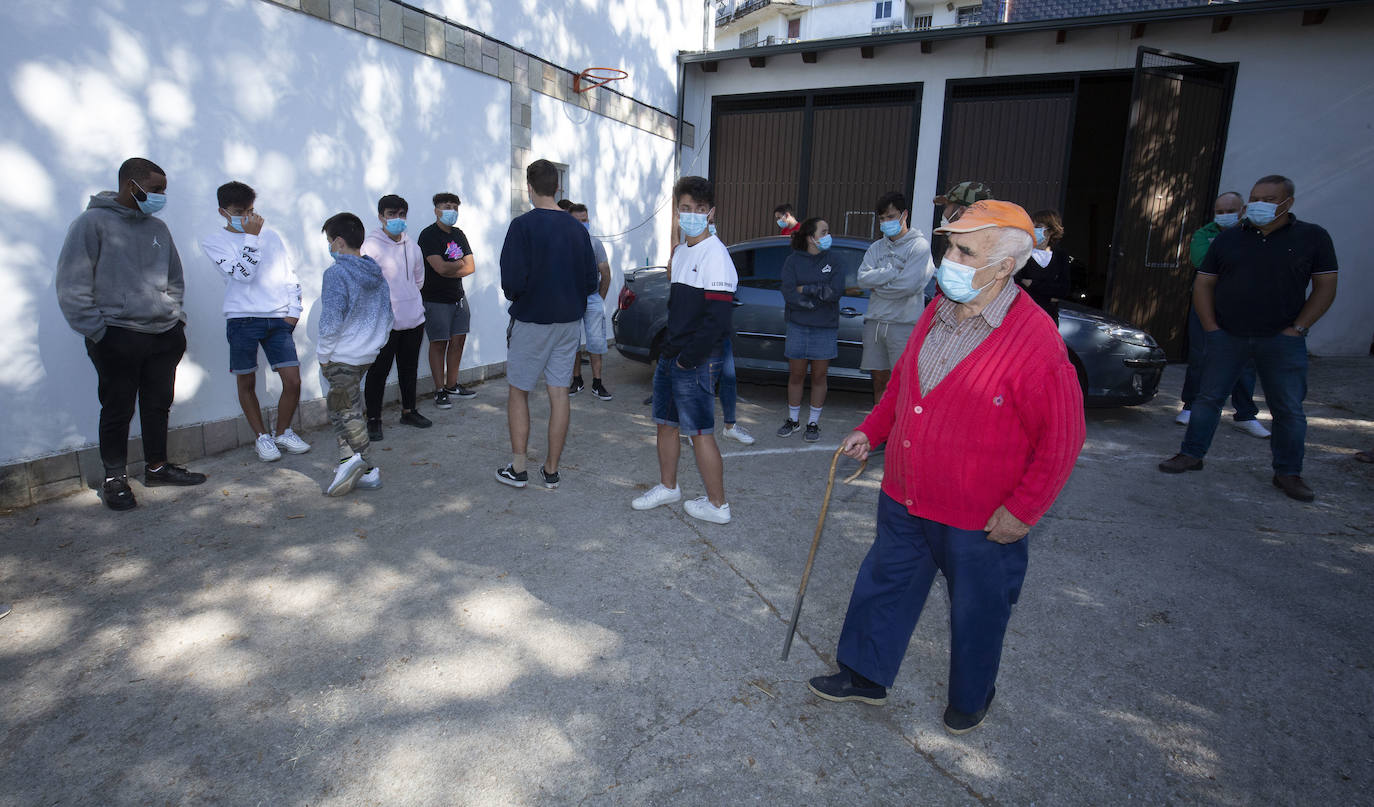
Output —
(322, 106)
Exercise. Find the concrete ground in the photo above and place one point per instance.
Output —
(1195, 639)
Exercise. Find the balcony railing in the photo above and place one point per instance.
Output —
(741, 10)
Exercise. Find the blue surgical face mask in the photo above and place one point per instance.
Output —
(1040, 236)
(586, 225)
(1225, 220)
(152, 202)
(236, 223)
(891, 228)
(1260, 214)
(395, 226)
(956, 280)
(692, 224)
(782, 224)
(824, 242)
(446, 217)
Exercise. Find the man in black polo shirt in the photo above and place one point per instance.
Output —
(1251, 296)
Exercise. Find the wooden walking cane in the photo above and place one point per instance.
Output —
(816, 542)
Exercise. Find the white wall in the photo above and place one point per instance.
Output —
(640, 37)
(1304, 107)
(316, 117)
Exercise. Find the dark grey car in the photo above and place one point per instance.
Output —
(1118, 364)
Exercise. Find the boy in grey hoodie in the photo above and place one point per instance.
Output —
(355, 322)
(896, 267)
(119, 284)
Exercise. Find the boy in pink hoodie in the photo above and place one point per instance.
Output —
(404, 269)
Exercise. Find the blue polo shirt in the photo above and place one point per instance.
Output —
(1262, 279)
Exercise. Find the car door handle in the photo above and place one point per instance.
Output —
(849, 312)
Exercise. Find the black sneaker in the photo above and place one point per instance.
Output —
(508, 476)
(600, 391)
(957, 722)
(374, 429)
(649, 401)
(813, 432)
(460, 391)
(117, 494)
(416, 419)
(441, 400)
(841, 688)
(170, 474)
(550, 479)
(576, 385)
(788, 427)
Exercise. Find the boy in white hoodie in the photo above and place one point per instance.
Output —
(403, 266)
(262, 304)
(355, 322)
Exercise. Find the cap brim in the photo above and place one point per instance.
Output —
(953, 227)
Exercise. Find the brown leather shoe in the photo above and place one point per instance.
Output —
(1293, 487)
(1179, 463)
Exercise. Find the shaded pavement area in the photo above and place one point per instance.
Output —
(1194, 639)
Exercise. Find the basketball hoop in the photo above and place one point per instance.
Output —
(594, 77)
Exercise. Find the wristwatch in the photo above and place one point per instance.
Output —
(1301, 329)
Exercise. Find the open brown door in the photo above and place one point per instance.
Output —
(1180, 109)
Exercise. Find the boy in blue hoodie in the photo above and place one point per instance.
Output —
(355, 321)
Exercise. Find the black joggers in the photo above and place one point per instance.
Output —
(140, 368)
(404, 347)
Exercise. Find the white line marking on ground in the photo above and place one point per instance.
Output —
(764, 451)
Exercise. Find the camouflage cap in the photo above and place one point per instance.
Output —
(965, 193)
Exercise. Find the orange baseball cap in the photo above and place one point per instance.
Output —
(991, 213)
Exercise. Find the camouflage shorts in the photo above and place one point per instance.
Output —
(344, 402)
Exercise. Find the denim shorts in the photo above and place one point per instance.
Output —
(808, 342)
(443, 321)
(594, 325)
(686, 398)
(273, 333)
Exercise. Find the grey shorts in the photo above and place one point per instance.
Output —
(534, 349)
(446, 320)
(884, 343)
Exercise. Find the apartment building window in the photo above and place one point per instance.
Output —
(923, 23)
(969, 15)
(750, 38)
(794, 29)
(882, 10)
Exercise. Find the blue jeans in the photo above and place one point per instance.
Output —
(686, 399)
(983, 579)
(1282, 364)
(1242, 395)
(729, 388)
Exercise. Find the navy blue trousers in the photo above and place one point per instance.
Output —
(983, 578)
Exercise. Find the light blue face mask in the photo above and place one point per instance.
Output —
(1227, 220)
(892, 228)
(446, 217)
(692, 224)
(236, 223)
(782, 224)
(586, 225)
(395, 226)
(956, 280)
(824, 242)
(1040, 236)
(1261, 214)
(152, 202)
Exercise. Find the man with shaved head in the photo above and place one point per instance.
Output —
(119, 284)
(983, 421)
(1225, 215)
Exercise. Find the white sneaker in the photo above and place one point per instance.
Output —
(292, 442)
(370, 480)
(1183, 417)
(702, 509)
(347, 475)
(738, 434)
(1251, 427)
(267, 450)
(658, 495)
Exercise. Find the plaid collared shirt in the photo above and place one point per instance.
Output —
(949, 341)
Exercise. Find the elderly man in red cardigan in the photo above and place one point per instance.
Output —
(983, 421)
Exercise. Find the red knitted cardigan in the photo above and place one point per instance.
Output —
(1003, 428)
